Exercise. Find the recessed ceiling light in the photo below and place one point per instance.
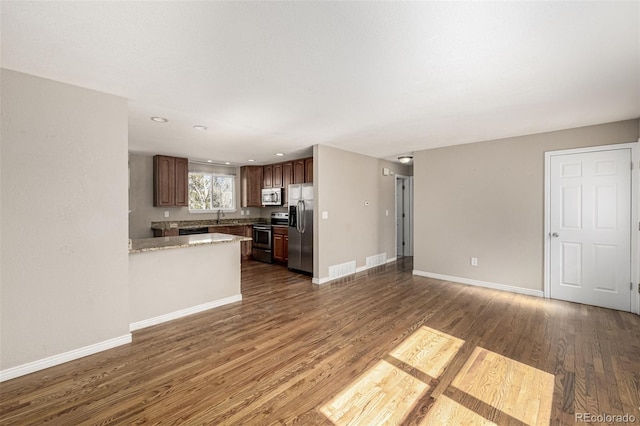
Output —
(209, 161)
(227, 163)
(159, 119)
(279, 154)
(198, 127)
(251, 160)
(404, 159)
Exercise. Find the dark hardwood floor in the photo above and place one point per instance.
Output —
(380, 347)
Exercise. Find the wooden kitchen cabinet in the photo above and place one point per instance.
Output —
(280, 244)
(308, 169)
(171, 232)
(267, 176)
(277, 175)
(239, 230)
(170, 181)
(287, 179)
(298, 171)
(251, 181)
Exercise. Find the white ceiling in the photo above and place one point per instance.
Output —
(382, 78)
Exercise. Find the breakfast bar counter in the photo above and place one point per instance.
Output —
(171, 277)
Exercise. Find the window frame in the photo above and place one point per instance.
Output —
(213, 174)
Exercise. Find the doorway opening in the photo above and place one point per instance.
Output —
(404, 216)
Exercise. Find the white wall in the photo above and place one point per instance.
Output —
(485, 200)
(63, 219)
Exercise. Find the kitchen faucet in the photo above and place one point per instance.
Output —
(220, 214)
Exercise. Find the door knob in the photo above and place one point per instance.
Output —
(555, 235)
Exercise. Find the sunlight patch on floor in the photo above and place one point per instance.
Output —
(519, 390)
(428, 350)
(382, 396)
(488, 384)
(447, 411)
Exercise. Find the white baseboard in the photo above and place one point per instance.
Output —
(41, 364)
(325, 280)
(477, 283)
(183, 312)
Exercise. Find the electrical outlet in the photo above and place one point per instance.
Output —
(248, 212)
(241, 212)
(166, 213)
(474, 261)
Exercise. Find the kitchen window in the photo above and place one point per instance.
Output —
(210, 192)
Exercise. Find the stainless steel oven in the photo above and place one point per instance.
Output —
(262, 243)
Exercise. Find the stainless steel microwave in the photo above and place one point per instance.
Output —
(272, 197)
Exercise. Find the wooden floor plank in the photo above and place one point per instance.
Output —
(291, 348)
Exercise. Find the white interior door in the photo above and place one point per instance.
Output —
(590, 228)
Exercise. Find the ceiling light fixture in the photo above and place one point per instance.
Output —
(199, 127)
(209, 161)
(404, 159)
(251, 160)
(279, 154)
(159, 119)
(227, 163)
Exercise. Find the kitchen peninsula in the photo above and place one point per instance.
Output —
(171, 277)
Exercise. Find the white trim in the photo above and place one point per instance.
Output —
(635, 184)
(184, 312)
(324, 280)
(320, 281)
(477, 283)
(41, 364)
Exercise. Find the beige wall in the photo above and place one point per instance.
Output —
(485, 200)
(343, 182)
(64, 218)
(141, 197)
(162, 282)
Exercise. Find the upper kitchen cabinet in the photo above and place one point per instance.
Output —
(170, 181)
(251, 181)
(308, 169)
(267, 176)
(298, 171)
(287, 179)
(277, 175)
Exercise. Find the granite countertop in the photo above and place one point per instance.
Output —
(164, 243)
(188, 224)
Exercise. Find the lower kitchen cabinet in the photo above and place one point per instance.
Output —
(240, 230)
(280, 244)
(171, 232)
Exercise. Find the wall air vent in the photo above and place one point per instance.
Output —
(342, 270)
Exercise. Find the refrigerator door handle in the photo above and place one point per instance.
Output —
(304, 217)
(301, 210)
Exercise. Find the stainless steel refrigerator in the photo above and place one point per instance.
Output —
(301, 227)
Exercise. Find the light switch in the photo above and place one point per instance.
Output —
(325, 215)
(166, 213)
(386, 212)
